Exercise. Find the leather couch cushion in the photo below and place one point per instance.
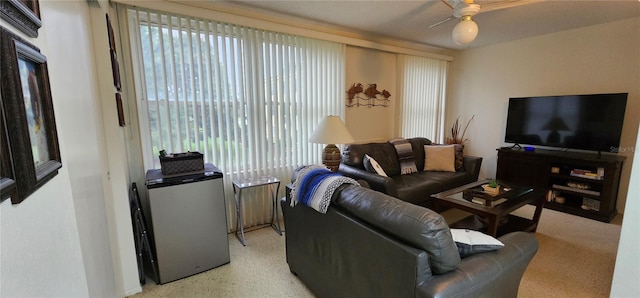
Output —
(417, 144)
(418, 226)
(418, 187)
(450, 180)
(383, 153)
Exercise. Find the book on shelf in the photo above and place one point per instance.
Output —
(574, 189)
(585, 174)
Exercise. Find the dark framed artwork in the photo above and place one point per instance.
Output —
(23, 14)
(110, 34)
(116, 70)
(121, 121)
(29, 115)
(7, 181)
(114, 55)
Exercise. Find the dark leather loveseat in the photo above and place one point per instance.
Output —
(369, 244)
(414, 188)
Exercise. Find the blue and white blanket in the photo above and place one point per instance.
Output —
(315, 185)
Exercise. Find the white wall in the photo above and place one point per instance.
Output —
(596, 59)
(56, 242)
(625, 276)
(41, 253)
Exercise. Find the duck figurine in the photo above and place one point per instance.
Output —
(372, 91)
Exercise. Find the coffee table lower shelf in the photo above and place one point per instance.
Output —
(512, 224)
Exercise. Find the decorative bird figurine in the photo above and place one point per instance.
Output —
(386, 94)
(355, 89)
(371, 91)
(351, 93)
(359, 88)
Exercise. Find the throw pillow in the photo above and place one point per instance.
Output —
(439, 158)
(472, 242)
(372, 166)
(459, 156)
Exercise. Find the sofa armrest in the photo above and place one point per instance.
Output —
(472, 165)
(491, 274)
(376, 182)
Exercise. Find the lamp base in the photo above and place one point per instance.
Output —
(331, 157)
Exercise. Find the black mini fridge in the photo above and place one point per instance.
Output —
(188, 215)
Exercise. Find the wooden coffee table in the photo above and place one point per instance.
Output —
(492, 214)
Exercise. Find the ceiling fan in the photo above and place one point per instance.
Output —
(466, 30)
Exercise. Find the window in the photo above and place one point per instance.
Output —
(247, 99)
(423, 86)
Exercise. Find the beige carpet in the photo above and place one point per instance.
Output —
(575, 259)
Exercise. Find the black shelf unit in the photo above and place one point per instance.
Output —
(552, 170)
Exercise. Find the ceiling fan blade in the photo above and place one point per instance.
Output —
(505, 4)
(441, 22)
(452, 3)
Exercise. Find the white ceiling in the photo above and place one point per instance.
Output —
(408, 20)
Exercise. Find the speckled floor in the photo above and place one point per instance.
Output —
(256, 270)
(576, 259)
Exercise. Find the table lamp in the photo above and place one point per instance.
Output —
(331, 130)
(555, 125)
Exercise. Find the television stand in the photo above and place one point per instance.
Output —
(583, 184)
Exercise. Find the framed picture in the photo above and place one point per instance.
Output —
(116, 70)
(110, 34)
(120, 109)
(7, 181)
(23, 14)
(114, 55)
(29, 116)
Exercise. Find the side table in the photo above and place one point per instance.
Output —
(268, 181)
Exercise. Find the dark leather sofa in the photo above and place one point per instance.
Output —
(414, 188)
(369, 244)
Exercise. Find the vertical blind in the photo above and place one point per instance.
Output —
(247, 99)
(423, 87)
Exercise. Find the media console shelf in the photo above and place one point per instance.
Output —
(582, 184)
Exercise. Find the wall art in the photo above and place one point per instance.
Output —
(115, 69)
(358, 96)
(23, 14)
(121, 121)
(29, 115)
(7, 177)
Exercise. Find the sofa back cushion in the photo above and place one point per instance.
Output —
(383, 153)
(417, 144)
(416, 225)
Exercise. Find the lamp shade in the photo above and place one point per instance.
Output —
(331, 130)
(555, 123)
(465, 31)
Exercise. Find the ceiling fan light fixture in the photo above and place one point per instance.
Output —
(465, 31)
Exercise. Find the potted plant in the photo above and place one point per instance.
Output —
(456, 136)
(491, 188)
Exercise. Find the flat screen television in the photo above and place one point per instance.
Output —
(586, 122)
